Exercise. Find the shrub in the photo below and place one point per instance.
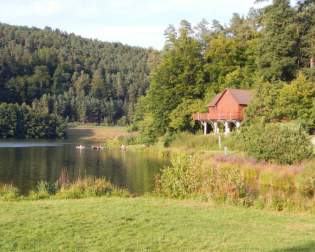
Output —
(276, 143)
(9, 192)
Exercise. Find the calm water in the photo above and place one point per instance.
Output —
(25, 163)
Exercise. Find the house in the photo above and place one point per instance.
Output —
(227, 108)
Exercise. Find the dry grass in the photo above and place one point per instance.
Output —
(95, 133)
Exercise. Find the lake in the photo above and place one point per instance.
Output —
(25, 163)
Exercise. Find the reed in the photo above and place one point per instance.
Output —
(63, 178)
(240, 181)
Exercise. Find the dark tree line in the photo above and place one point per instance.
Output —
(79, 79)
(21, 121)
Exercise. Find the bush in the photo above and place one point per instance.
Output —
(276, 143)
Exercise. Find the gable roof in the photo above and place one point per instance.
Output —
(242, 97)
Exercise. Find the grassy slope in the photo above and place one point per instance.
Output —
(96, 133)
(144, 224)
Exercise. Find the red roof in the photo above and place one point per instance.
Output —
(242, 97)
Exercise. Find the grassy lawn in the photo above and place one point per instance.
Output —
(146, 224)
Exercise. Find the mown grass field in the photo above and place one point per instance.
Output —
(149, 224)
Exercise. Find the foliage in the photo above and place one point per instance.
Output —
(80, 79)
(263, 105)
(276, 143)
(279, 102)
(265, 50)
(22, 122)
(181, 118)
(179, 76)
(278, 46)
(297, 102)
(149, 130)
(230, 61)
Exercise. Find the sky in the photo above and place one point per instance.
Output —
(134, 22)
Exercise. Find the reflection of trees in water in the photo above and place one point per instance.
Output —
(26, 166)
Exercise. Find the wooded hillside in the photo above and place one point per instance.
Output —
(80, 79)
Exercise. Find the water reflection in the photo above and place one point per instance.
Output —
(26, 163)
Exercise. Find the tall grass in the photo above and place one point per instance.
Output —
(189, 141)
(81, 188)
(9, 192)
(89, 187)
(240, 181)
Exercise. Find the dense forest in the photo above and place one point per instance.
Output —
(271, 50)
(79, 79)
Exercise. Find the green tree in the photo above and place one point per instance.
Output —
(180, 75)
(264, 104)
(181, 116)
(296, 102)
(277, 51)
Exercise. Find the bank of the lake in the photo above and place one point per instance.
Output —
(148, 224)
(94, 133)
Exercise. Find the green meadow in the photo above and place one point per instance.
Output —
(149, 224)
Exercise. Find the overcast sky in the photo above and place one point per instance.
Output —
(133, 22)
